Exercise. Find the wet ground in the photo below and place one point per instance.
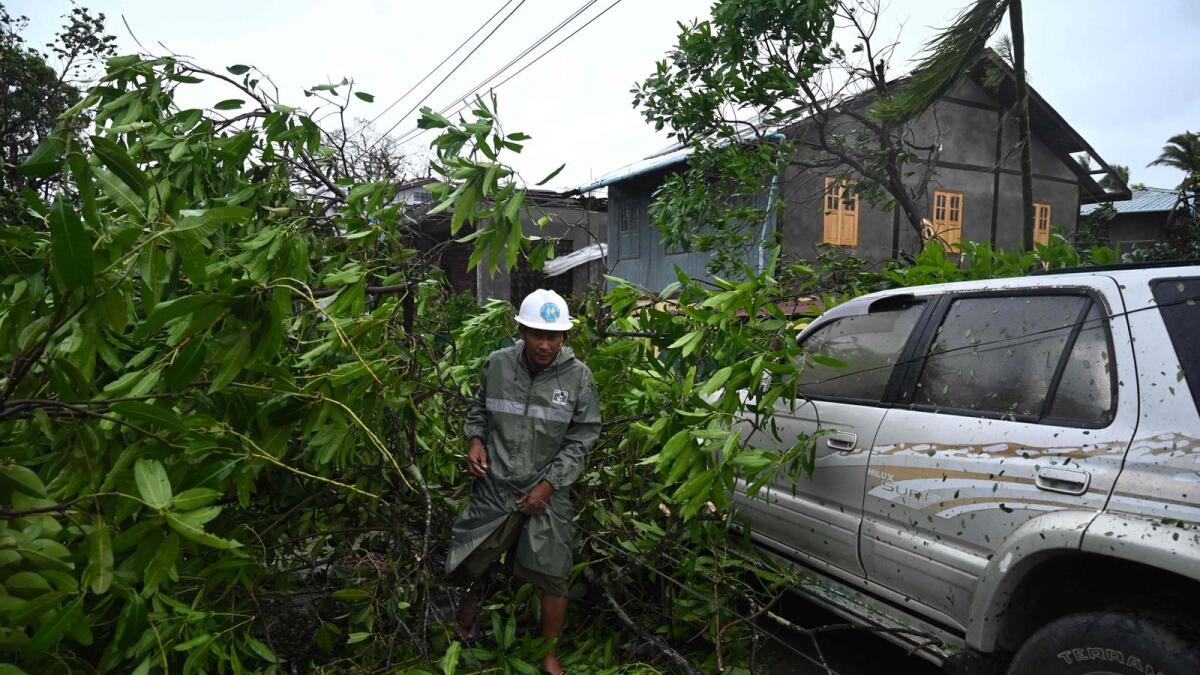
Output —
(849, 652)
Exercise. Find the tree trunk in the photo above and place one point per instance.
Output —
(1022, 110)
(903, 200)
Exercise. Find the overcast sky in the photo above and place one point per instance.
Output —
(1123, 74)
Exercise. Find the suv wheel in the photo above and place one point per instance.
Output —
(1109, 643)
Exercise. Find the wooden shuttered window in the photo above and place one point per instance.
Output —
(1041, 222)
(947, 217)
(840, 207)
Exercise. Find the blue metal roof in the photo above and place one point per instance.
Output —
(1144, 200)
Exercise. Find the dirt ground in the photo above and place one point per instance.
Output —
(847, 652)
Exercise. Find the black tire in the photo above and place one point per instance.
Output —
(1109, 643)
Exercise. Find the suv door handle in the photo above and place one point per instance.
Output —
(841, 441)
(1066, 481)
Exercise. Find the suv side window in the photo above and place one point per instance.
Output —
(869, 345)
(1085, 390)
(1178, 302)
(998, 355)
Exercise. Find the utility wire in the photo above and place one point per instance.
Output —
(536, 43)
(452, 71)
(437, 67)
(999, 341)
(417, 132)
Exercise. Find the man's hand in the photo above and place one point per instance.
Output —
(477, 459)
(537, 500)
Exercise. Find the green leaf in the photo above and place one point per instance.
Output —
(431, 120)
(261, 650)
(152, 482)
(121, 164)
(188, 362)
(33, 609)
(716, 381)
(120, 193)
(47, 157)
(673, 447)
(450, 659)
(351, 594)
(198, 517)
(193, 218)
(99, 572)
(230, 104)
(27, 584)
(45, 554)
(512, 210)
(553, 173)
(238, 69)
(160, 565)
(827, 361)
(233, 361)
(687, 338)
(51, 631)
(70, 245)
(81, 171)
(119, 62)
(148, 414)
(194, 498)
(365, 96)
(173, 309)
(21, 479)
(198, 535)
(355, 638)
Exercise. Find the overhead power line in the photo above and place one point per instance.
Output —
(452, 71)
(462, 103)
(536, 43)
(438, 66)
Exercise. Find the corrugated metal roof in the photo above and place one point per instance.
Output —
(1144, 200)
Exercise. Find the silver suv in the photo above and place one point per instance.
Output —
(1011, 467)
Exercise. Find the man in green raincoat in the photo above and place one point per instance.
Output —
(530, 427)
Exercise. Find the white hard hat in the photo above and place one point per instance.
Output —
(544, 310)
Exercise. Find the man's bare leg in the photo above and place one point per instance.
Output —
(554, 615)
(468, 611)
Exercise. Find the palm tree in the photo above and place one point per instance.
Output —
(1122, 173)
(1182, 152)
(955, 49)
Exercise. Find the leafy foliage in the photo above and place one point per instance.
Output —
(953, 51)
(35, 93)
(233, 397)
(761, 94)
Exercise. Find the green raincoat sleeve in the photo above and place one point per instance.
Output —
(477, 418)
(581, 435)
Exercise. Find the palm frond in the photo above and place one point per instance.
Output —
(947, 56)
(1182, 152)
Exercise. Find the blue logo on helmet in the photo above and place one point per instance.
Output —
(549, 312)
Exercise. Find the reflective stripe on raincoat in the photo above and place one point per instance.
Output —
(535, 429)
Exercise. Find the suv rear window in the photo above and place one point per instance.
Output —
(869, 345)
(1178, 302)
(1002, 356)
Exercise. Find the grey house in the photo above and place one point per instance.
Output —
(1139, 221)
(973, 192)
(577, 224)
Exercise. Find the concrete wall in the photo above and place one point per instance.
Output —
(1125, 229)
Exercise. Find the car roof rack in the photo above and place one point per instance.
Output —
(1117, 267)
